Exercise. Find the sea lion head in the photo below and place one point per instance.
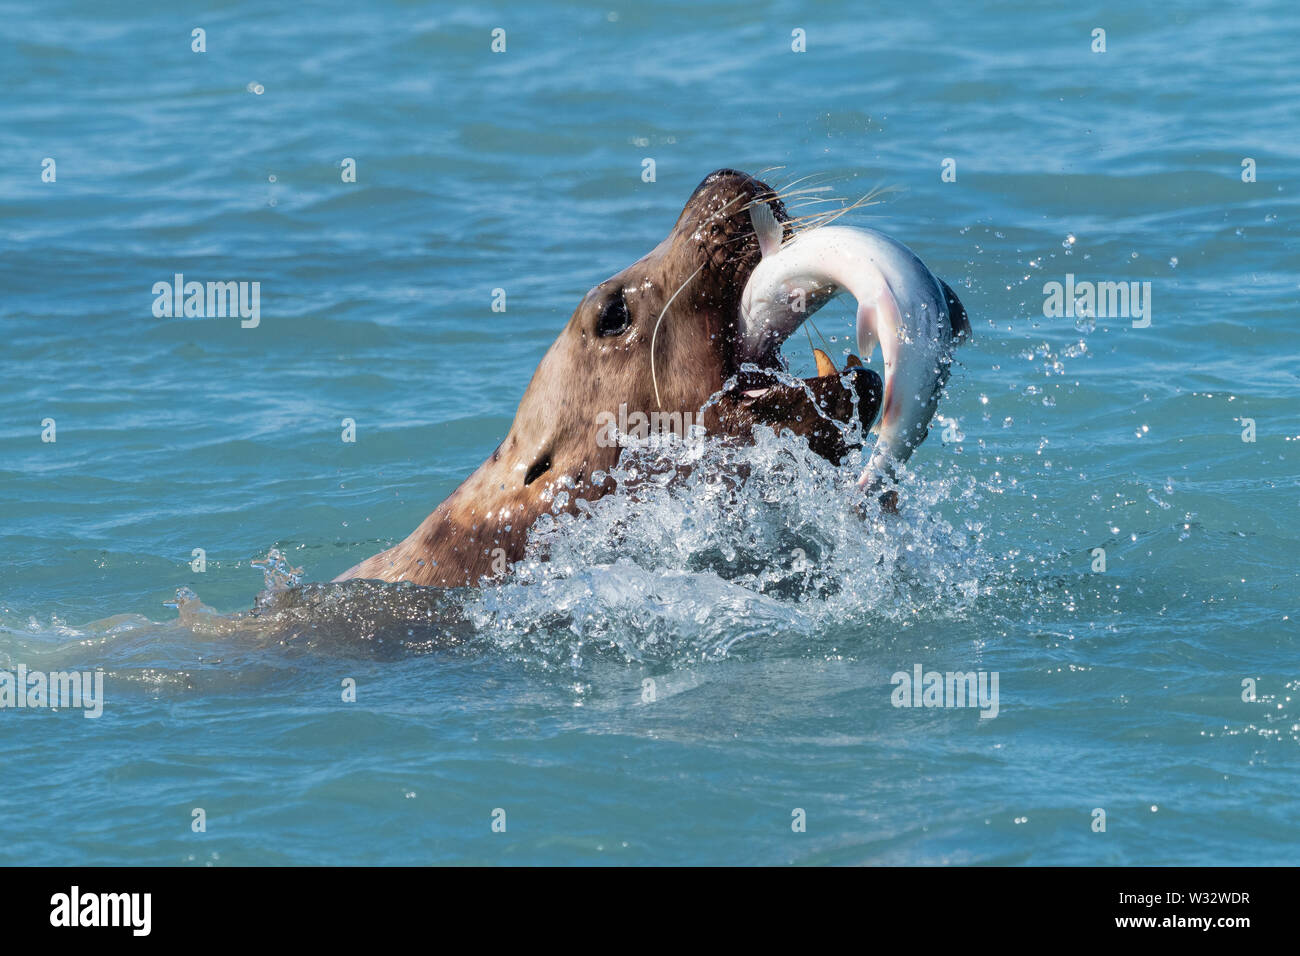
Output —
(657, 339)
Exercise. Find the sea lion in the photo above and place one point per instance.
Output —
(660, 336)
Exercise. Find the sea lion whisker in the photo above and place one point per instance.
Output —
(802, 224)
(768, 197)
(867, 200)
(871, 198)
(809, 200)
(785, 190)
(805, 191)
(812, 202)
(654, 378)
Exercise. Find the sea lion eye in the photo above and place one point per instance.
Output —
(614, 318)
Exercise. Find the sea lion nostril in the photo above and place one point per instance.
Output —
(540, 467)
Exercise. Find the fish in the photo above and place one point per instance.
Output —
(914, 316)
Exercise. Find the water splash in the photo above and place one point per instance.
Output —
(700, 549)
(703, 549)
(277, 573)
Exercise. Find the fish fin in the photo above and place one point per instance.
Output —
(866, 343)
(877, 323)
(866, 331)
(957, 317)
(767, 229)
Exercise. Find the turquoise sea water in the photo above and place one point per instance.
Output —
(770, 624)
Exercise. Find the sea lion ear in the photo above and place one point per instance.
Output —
(766, 227)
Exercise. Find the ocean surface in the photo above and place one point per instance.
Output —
(689, 680)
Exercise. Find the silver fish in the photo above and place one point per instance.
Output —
(912, 314)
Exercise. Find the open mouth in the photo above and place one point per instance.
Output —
(769, 315)
(819, 408)
(767, 393)
(816, 407)
(762, 385)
